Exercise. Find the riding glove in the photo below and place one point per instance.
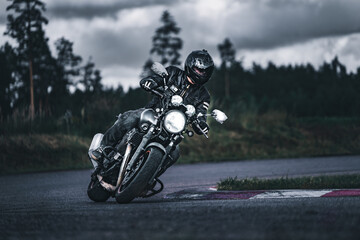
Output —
(151, 82)
(201, 127)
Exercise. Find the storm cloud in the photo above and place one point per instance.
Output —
(67, 9)
(262, 24)
(91, 9)
(287, 22)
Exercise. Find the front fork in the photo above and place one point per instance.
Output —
(123, 164)
(161, 169)
(127, 162)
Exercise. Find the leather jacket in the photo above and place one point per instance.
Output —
(196, 95)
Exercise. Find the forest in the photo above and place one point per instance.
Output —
(45, 92)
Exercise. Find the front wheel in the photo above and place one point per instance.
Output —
(144, 170)
(96, 192)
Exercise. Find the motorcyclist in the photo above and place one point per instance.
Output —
(188, 83)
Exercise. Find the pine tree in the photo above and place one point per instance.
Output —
(96, 82)
(166, 44)
(91, 78)
(227, 54)
(7, 66)
(68, 63)
(25, 25)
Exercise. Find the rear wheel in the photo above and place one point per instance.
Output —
(96, 192)
(136, 180)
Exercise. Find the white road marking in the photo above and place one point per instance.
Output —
(291, 194)
(191, 196)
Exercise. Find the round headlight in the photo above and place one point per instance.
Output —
(176, 100)
(174, 121)
(190, 110)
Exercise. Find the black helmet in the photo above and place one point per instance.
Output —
(199, 66)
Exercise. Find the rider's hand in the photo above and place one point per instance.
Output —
(202, 125)
(149, 84)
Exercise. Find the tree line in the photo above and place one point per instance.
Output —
(299, 90)
(36, 83)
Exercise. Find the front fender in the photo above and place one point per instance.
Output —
(158, 145)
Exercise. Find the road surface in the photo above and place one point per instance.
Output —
(54, 205)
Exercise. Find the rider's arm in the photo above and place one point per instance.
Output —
(203, 106)
(154, 81)
(201, 109)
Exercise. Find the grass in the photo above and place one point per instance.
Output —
(273, 135)
(320, 182)
(243, 136)
(42, 152)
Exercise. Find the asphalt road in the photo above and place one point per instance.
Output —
(54, 205)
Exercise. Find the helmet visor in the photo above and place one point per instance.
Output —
(199, 71)
(202, 73)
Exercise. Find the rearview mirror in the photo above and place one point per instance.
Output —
(159, 69)
(219, 116)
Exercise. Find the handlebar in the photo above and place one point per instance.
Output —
(157, 93)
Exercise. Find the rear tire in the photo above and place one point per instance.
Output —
(142, 178)
(96, 192)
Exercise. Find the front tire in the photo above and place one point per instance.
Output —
(96, 192)
(142, 178)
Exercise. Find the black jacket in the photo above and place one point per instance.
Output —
(196, 95)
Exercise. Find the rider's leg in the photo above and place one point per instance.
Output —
(123, 124)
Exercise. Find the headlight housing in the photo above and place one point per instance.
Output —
(174, 121)
(190, 110)
(176, 100)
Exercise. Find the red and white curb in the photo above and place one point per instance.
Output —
(213, 194)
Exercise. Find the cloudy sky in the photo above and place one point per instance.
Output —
(117, 33)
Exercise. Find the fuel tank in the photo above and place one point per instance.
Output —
(147, 118)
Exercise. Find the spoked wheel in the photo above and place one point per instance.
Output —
(137, 178)
(96, 192)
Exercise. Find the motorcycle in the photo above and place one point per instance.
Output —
(132, 168)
